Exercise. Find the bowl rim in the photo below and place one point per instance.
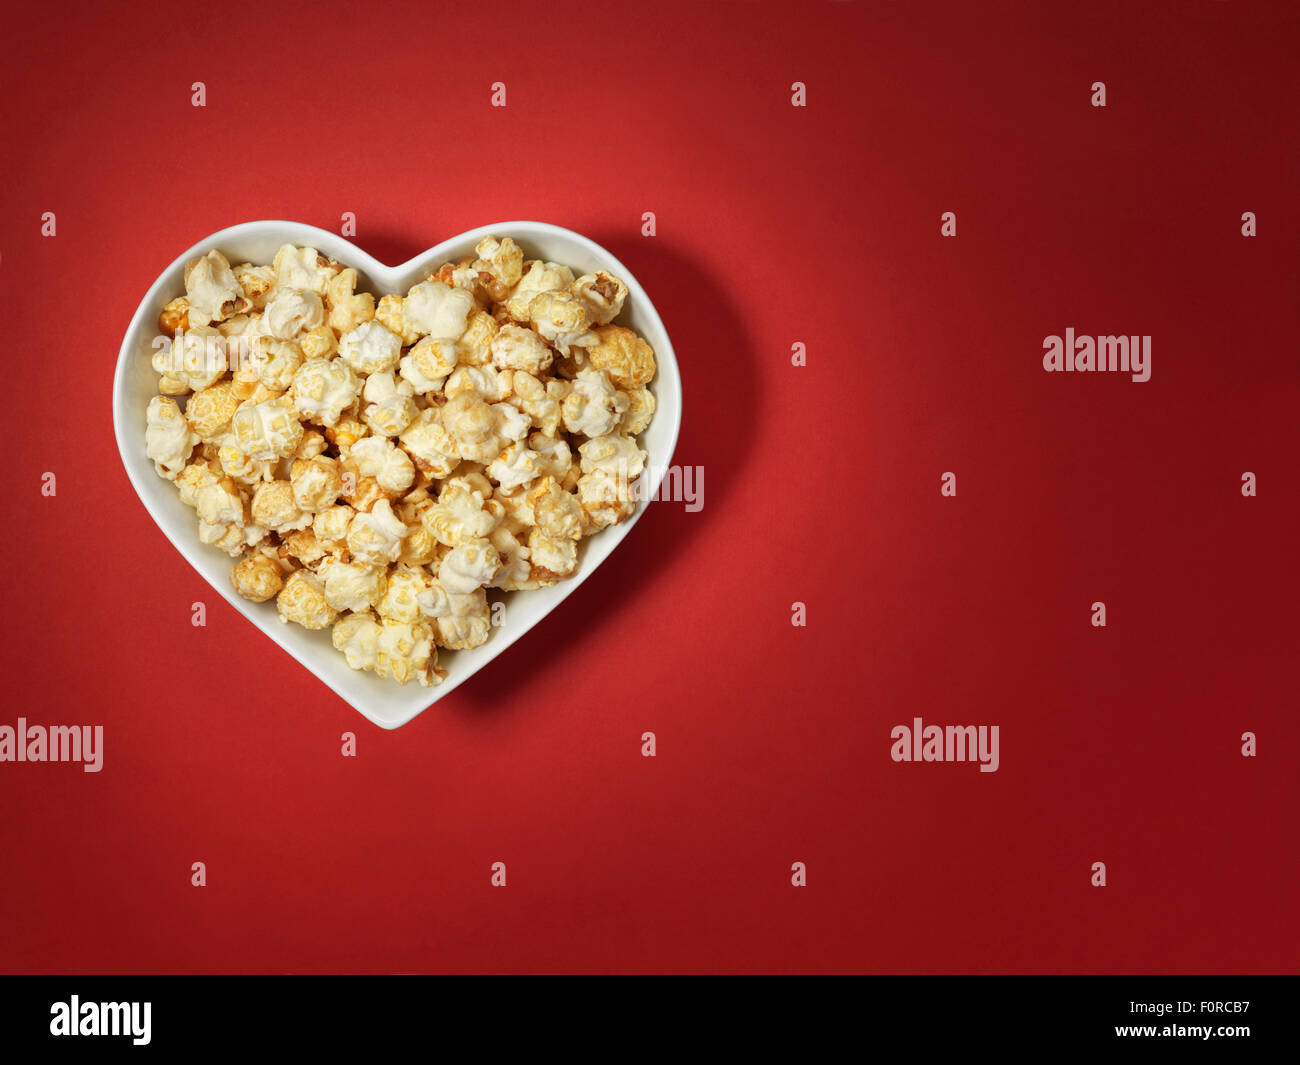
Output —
(130, 437)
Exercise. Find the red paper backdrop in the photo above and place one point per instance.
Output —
(775, 225)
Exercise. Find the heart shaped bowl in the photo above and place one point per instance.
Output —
(385, 702)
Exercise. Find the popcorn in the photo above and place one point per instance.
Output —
(469, 566)
(561, 319)
(481, 381)
(625, 357)
(474, 346)
(387, 469)
(459, 517)
(378, 457)
(517, 465)
(429, 444)
(266, 430)
(640, 410)
(437, 310)
(303, 268)
(618, 455)
(602, 294)
(541, 402)
(256, 282)
(515, 348)
(463, 621)
(391, 315)
(277, 363)
(292, 311)
(406, 651)
(209, 410)
(212, 291)
(258, 578)
(390, 407)
(194, 359)
(352, 585)
(357, 636)
(322, 388)
(503, 263)
(370, 348)
(376, 536)
(302, 600)
(594, 406)
(401, 598)
(538, 278)
(348, 309)
(330, 527)
(551, 557)
(275, 508)
(318, 343)
(316, 483)
(427, 364)
(168, 437)
(606, 498)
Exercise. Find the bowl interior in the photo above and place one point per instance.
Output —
(384, 702)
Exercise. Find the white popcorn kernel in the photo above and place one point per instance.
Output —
(212, 291)
(438, 310)
(516, 348)
(429, 444)
(267, 430)
(465, 623)
(292, 311)
(594, 406)
(391, 314)
(618, 455)
(468, 567)
(316, 483)
(302, 600)
(561, 319)
(533, 397)
(370, 348)
(484, 382)
(256, 282)
(304, 268)
(376, 536)
(427, 365)
(458, 517)
(380, 458)
(556, 557)
(515, 566)
(275, 508)
(330, 527)
(554, 456)
(390, 405)
(474, 348)
(558, 514)
(640, 411)
(323, 388)
(168, 438)
(539, 277)
(352, 585)
(277, 362)
(357, 636)
(401, 598)
(606, 498)
(517, 465)
(503, 262)
(602, 294)
(472, 424)
(406, 651)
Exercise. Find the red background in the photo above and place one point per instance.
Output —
(775, 225)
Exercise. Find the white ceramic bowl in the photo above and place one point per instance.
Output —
(385, 702)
